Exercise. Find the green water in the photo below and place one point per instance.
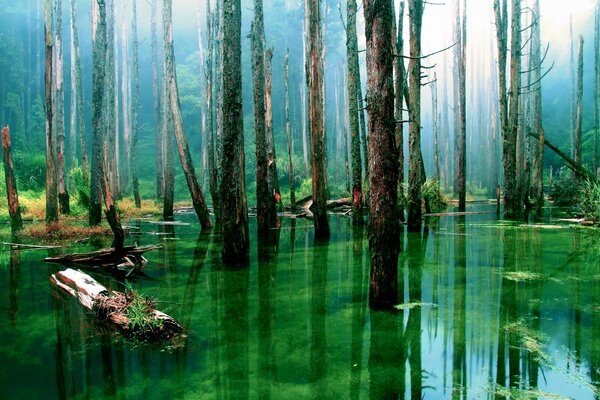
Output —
(500, 306)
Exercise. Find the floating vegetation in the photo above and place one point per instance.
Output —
(531, 341)
(526, 394)
(409, 306)
(522, 276)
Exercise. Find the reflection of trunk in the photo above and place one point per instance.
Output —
(316, 118)
(383, 182)
(189, 295)
(234, 212)
(318, 321)
(386, 358)
(359, 288)
(416, 257)
(175, 109)
(459, 345)
(16, 224)
(13, 295)
(51, 178)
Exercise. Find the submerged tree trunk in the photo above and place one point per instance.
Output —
(384, 227)
(156, 96)
(59, 102)
(265, 202)
(316, 119)
(414, 111)
(272, 174)
(51, 178)
(173, 94)
(76, 78)
(232, 175)
(537, 191)
(288, 128)
(578, 123)
(353, 82)
(16, 223)
(134, 111)
(98, 82)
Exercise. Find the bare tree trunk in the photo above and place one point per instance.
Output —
(135, 106)
(126, 104)
(414, 111)
(288, 128)
(400, 73)
(173, 94)
(232, 183)
(353, 90)
(460, 106)
(212, 170)
(156, 96)
(59, 104)
(316, 119)
(303, 88)
(573, 88)
(596, 86)
(273, 175)
(266, 214)
(16, 224)
(436, 129)
(579, 120)
(73, 87)
(219, 39)
(538, 154)
(111, 127)
(76, 71)
(346, 129)
(384, 227)
(167, 146)
(51, 178)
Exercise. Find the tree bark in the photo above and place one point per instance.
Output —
(51, 177)
(167, 145)
(98, 82)
(111, 127)
(460, 106)
(316, 119)
(303, 88)
(273, 175)
(596, 86)
(288, 128)
(173, 94)
(59, 104)
(16, 223)
(212, 170)
(384, 227)
(156, 96)
(78, 93)
(399, 83)
(353, 82)
(134, 111)
(232, 175)
(265, 202)
(573, 87)
(414, 111)
(436, 129)
(578, 123)
(537, 191)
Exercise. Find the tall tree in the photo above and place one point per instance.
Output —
(316, 118)
(232, 175)
(16, 223)
(167, 145)
(415, 176)
(436, 129)
(265, 202)
(51, 178)
(173, 94)
(77, 93)
(303, 87)
(111, 103)
(579, 120)
(538, 153)
(272, 175)
(596, 86)
(384, 227)
(353, 82)
(460, 105)
(156, 96)
(126, 103)
(212, 170)
(573, 82)
(59, 104)
(399, 86)
(288, 128)
(134, 111)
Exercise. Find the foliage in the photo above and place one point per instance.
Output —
(565, 191)
(589, 199)
(30, 169)
(81, 186)
(139, 311)
(431, 190)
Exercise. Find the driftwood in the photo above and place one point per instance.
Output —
(114, 307)
(130, 259)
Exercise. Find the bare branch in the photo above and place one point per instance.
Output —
(539, 80)
(428, 55)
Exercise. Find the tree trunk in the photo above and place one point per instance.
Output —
(596, 86)
(156, 96)
(51, 178)
(353, 89)
(126, 104)
(578, 123)
(316, 119)
(232, 179)
(212, 170)
(414, 112)
(400, 73)
(265, 202)
(537, 191)
(573, 87)
(111, 127)
(173, 94)
(303, 87)
(460, 111)
(288, 129)
(59, 104)
(436, 128)
(134, 111)
(384, 227)
(272, 174)
(346, 129)
(78, 93)
(73, 87)
(16, 224)
(167, 145)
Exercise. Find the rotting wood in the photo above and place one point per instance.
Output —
(16, 223)
(113, 306)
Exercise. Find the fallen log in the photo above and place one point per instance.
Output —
(129, 259)
(133, 314)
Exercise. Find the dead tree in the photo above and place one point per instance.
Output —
(16, 223)
(77, 93)
(156, 96)
(51, 177)
(384, 226)
(596, 86)
(288, 128)
(111, 100)
(537, 190)
(272, 174)
(353, 83)
(578, 122)
(415, 175)
(212, 170)
(460, 105)
(573, 82)
(399, 87)
(232, 191)
(316, 118)
(436, 129)
(173, 94)
(59, 106)
(134, 111)
(266, 214)
(126, 104)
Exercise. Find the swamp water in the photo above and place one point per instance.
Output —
(491, 309)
